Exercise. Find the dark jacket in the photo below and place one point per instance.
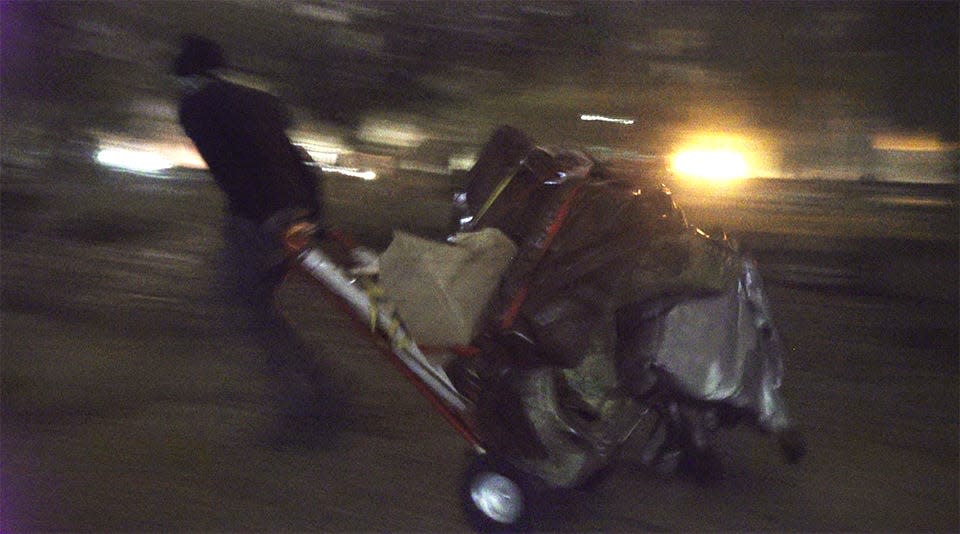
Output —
(241, 134)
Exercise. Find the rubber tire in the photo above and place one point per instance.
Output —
(530, 492)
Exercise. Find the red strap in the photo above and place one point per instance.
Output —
(338, 235)
(513, 309)
(510, 315)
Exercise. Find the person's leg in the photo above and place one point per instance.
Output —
(303, 393)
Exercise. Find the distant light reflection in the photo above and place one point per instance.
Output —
(602, 118)
(910, 143)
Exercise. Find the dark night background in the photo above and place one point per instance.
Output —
(127, 405)
(818, 80)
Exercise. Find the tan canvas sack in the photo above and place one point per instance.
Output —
(441, 289)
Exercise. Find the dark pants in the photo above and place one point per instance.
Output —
(252, 268)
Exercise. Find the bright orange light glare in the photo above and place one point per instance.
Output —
(716, 165)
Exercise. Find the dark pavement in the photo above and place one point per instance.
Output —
(128, 406)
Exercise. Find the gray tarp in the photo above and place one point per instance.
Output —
(725, 349)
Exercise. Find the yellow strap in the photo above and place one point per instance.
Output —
(493, 196)
(392, 327)
(373, 316)
(375, 292)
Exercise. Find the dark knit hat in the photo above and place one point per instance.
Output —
(197, 56)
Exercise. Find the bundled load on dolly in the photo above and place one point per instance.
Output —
(590, 300)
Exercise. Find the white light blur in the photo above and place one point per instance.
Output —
(602, 118)
(324, 156)
(349, 171)
(462, 162)
(391, 133)
(132, 160)
(322, 151)
(326, 14)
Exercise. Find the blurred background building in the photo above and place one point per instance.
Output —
(846, 90)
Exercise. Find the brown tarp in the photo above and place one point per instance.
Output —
(590, 246)
(607, 276)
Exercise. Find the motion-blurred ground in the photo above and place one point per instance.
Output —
(129, 406)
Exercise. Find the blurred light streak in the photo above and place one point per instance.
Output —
(324, 149)
(133, 160)
(602, 118)
(322, 154)
(118, 150)
(462, 162)
(322, 13)
(349, 171)
(390, 133)
(420, 166)
(184, 156)
(910, 143)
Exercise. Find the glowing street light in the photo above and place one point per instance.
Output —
(722, 158)
(715, 165)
